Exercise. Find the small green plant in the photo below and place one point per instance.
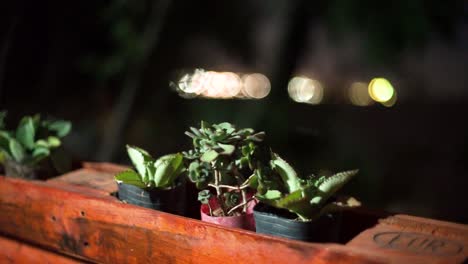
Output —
(152, 173)
(33, 140)
(224, 159)
(308, 198)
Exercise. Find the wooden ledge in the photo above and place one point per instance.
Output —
(101, 229)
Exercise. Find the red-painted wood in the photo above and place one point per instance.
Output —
(409, 239)
(102, 229)
(12, 251)
(75, 215)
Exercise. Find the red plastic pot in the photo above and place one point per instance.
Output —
(245, 221)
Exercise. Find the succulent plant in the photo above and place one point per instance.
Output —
(225, 159)
(150, 172)
(33, 140)
(308, 198)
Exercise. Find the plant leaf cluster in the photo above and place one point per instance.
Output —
(223, 157)
(150, 172)
(308, 197)
(33, 140)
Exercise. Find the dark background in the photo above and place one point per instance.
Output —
(106, 66)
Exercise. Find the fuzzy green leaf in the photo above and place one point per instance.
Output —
(40, 153)
(204, 196)
(42, 143)
(209, 156)
(332, 184)
(139, 158)
(287, 173)
(16, 150)
(53, 142)
(130, 177)
(61, 127)
(5, 142)
(227, 149)
(168, 168)
(26, 132)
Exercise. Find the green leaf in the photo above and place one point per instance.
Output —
(16, 150)
(227, 149)
(40, 153)
(232, 198)
(204, 124)
(130, 177)
(168, 168)
(209, 156)
(61, 127)
(272, 195)
(5, 142)
(53, 142)
(26, 132)
(332, 184)
(41, 143)
(139, 157)
(287, 173)
(204, 196)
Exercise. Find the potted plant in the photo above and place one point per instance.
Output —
(300, 208)
(222, 164)
(155, 184)
(33, 150)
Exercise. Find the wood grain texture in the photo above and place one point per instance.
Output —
(409, 239)
(99, 228)
(12, 251)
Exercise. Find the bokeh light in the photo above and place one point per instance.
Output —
(305, 90)
(223, 85)
(392, 100)
(381, 90)
(255, 85)
(358, 94)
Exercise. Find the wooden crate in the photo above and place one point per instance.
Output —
(75, 218)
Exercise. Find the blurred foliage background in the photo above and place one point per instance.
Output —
(106, 66)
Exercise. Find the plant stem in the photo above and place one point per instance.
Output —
(244, 200)
(219, 192)
(229, 186)
(211, 210)
(241, 204)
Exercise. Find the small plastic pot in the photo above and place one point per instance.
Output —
(41, 171)
(17, 170)
(245, 221)
(167, 200)
(282, 223)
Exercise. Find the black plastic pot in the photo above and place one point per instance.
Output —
(42, 171)
(167, 200)
(282, 223)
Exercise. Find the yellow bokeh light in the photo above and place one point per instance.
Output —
(255, 85)
(305, 90)
(358, 94)
(381, 90)
(392, 101)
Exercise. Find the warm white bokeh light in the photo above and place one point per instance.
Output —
(358, 94)
(255, 86)
(223, 85)
(305, 90)
(381, 90)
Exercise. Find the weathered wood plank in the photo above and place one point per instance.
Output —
(105, 230)
(409, 239)
(13, 251)
(98, 180)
